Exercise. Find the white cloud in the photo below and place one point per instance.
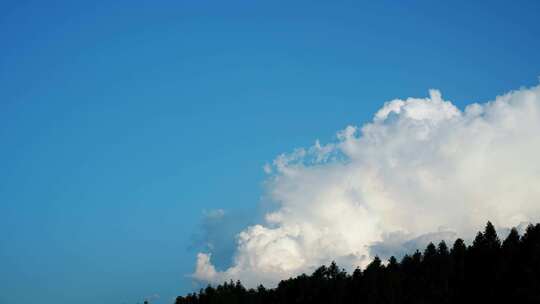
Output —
(204, 270)
(421, 170)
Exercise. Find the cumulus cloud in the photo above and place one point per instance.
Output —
(422, 170)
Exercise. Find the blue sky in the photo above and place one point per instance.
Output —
(120, 123)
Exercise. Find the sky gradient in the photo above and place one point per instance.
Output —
(122, 124)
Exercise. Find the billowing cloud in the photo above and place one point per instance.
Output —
(421, 170)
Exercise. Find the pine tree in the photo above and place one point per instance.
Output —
(491, 239)
(511, 243)
(372, 275)
(457, 278)
(430, 253)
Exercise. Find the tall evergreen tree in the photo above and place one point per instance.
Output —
(491, 239)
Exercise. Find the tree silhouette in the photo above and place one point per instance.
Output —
(488, 271)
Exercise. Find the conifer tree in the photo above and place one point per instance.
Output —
(491, 239)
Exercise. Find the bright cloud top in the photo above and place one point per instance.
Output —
(420, 166)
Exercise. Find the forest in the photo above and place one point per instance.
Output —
(486, 271)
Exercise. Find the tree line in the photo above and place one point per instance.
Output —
(487, 271)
